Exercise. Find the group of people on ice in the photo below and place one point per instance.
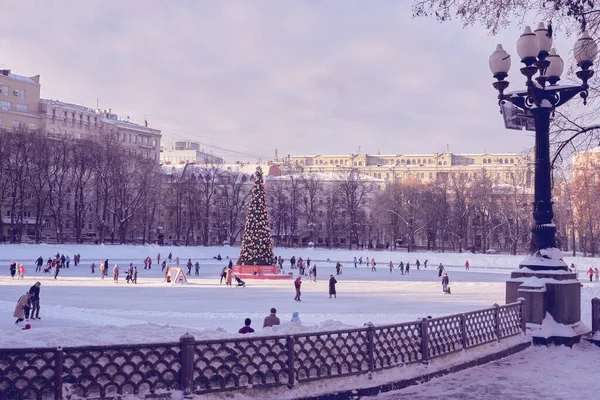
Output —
(28, 305)
(228, 275)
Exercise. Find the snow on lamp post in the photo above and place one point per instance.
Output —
(556, 291)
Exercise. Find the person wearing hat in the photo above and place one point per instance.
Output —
(23, 302)
(445, 282)
(296, 318)
(332, 282)
(246, 328)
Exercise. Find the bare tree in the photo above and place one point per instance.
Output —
(235, 190)
(312, 187)
(82, 178)
(353, 190)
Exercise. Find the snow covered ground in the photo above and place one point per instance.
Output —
(554, 373)
(79, 308)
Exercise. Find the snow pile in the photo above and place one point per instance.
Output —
(546, 257)
(550, 328)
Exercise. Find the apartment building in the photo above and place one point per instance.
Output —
(19, 101)
(182, 152)
(503, 167)
(71, 121)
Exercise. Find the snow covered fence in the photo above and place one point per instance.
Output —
(210, 366)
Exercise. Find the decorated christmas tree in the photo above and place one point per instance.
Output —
(257, 245)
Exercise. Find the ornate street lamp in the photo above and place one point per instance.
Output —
(555, 291)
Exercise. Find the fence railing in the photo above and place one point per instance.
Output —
(228, 364)
(595, 315)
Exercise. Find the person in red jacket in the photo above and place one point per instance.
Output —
(297, 284)
(590, 272)
(467, 265)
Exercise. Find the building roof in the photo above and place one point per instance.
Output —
(20, 78)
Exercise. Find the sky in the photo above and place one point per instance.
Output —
(246, 77)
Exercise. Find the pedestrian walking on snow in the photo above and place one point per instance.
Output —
(93, 266)
(332, 282)
(355, 262)
(314, 271)
(445, 283)
(134, 275)
(408, 268)
(56, 270)
(440, 270)
(189, 266)
(418, 264)
(158, 258)
(425, 263)
(102, 270)
(391, 266)
(467, 265)
(13, 269)
(116, 274)
(67, 261)
(590, 272)
(402, 267)
(297, 285)
(597, 273)
(373, 269)
(197, 268)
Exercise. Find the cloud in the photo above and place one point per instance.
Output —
(306, 77)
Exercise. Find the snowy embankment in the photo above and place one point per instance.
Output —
(81, 309)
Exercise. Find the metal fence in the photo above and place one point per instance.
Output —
(228, 364)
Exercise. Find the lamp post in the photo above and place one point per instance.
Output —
(540, 98)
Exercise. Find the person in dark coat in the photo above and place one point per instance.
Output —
(297, 284)
(332, 283)
(246, 328)
(197, 268)
(230, 265)
(134, 275)
(56, 270)
(189, 266)
(445, 283)
(38, 264)
(35, 300)
(13, 269)
(440, 270)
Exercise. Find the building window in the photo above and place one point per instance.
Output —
(4, 90)
(0, 121)
(21, 93)
(5, 105)
(484, 161)
(22, 107)
(489, 160)
(129, 138)
(16, 124)
(47, 224)
(430, 176)
(134, 138)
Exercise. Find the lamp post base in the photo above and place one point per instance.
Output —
(552, 298)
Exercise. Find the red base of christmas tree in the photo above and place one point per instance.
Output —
(260, 272)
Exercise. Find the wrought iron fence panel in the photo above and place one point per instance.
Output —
(233, 364)
(330, 354)
(396, 345)
(444, 335)
(480, 327)
(121, 370)
(27, 374)
(510, 320)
